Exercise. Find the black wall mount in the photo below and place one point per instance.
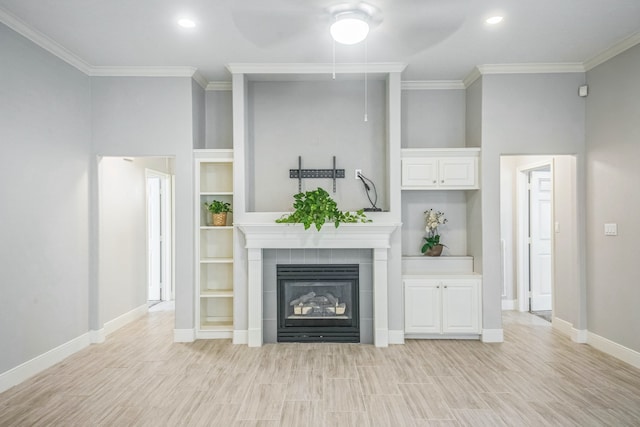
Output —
(300, 173)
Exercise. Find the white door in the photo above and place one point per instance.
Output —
(420, 172)
(540, 233)
(154, 220)
(457, 172)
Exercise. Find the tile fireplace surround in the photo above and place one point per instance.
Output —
(375, 236)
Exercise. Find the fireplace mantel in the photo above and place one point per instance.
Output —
(346, 236)
(376, 236)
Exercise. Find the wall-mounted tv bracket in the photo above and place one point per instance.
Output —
(315, 173)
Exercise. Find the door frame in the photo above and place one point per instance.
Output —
(166, 213)
(523, 276)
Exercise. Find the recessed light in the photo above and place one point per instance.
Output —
(186, 23)
(494, 20)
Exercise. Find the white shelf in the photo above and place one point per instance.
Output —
(214, 244)
(216, 260)
(216, 294)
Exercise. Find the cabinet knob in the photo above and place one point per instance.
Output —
(442, 181)
(438, 287)
(445, 286)
(434, 181)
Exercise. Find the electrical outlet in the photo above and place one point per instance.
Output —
(358, 172)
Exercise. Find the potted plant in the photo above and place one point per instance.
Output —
(317, 207)
(432, 245)
(218, 211)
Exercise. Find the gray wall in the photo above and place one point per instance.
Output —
(473, 132)
(433, 118)
(151, 116)
(315, 120)
(45, 131)
(613, 175)
(219, 120)
(521, 114)
(199, 118)
(123, 260)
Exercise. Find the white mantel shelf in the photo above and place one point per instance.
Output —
(346, 236)
(374, 236)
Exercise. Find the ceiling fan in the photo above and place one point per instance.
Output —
(405, 26)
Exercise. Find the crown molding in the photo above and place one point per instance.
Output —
(306, 68)
(612, 51)
(218, 86)
(109, 71)
(532, 68)
(43, 41)
(473, 75)
(200, 79)
(432, 84)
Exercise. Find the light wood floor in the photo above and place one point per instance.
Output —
(140, 377)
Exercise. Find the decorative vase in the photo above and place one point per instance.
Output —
(219, 219)
(434, 251)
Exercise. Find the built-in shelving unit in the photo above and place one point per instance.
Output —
(214, 246)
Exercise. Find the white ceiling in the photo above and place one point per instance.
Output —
(438, 39)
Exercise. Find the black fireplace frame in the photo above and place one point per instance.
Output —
(322, 330)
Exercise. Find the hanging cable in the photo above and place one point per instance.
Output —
(334, 59)
(373, 202)
(366, 119)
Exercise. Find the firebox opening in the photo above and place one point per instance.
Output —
(318, 303)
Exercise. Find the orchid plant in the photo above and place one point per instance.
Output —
(433, 220)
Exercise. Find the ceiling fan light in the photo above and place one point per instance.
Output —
(349, 28)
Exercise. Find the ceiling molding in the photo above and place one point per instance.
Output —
(532, 68)
(108, 71)
(612, 51)
(200, 79)
(219, 86)
(43, 41)
(306, 68)
(432, 84)
(473, 75)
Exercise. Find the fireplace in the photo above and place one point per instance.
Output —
(318, 303)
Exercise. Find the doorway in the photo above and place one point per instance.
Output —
(158, 190)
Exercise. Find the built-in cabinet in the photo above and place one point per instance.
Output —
(442, 306)
(214, 245)
(440, 169)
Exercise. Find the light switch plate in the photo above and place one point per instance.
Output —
(611, 229)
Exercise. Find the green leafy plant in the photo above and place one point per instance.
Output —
(216, 206)
(317, 207)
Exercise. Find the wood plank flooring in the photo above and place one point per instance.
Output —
(139, 377)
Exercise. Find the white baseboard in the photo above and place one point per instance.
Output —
(566, 328)
(113, 325)
(39, 363)
(614, 349)
(509, 304)
(184, 335)
(396, 337)
(492, 335)
(97, 336)
(240, 336)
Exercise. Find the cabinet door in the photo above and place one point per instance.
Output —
(458, 172)
(422, 306)
(461, 306)
(420, 172)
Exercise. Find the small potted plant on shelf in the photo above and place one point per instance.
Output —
(432, 245)
(218, 211)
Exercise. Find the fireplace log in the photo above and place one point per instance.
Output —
(303, 298)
